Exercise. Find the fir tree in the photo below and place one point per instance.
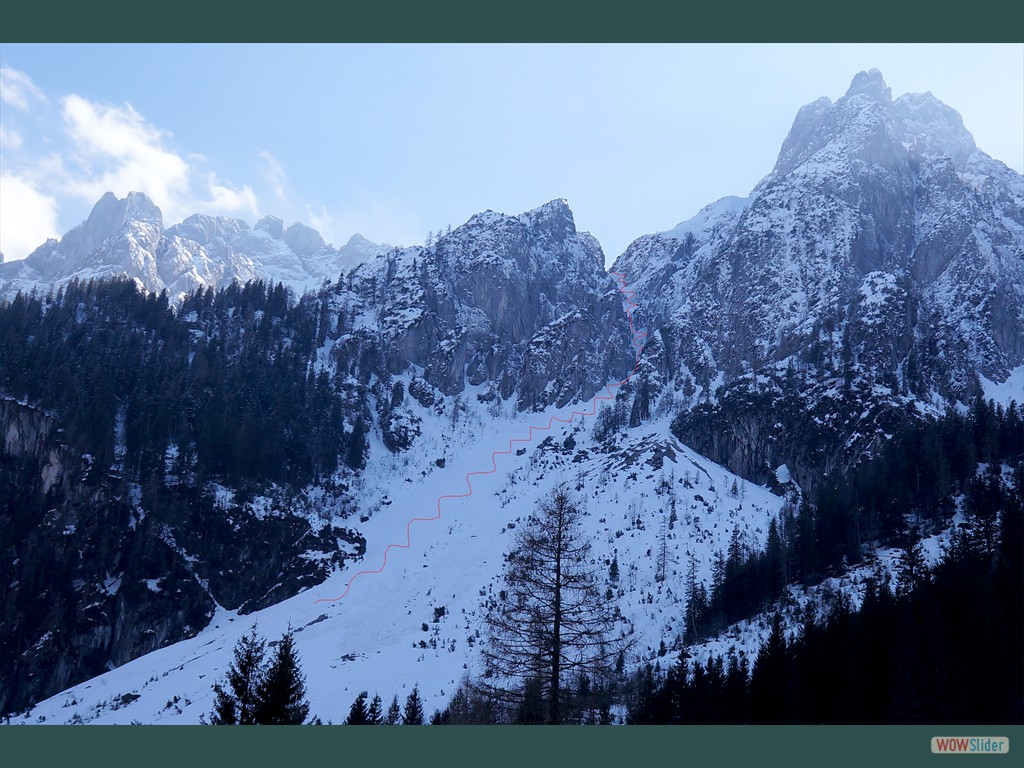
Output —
(238, 704)
(358, 715)
(355, 455)
(412, 714)
(910, 569)
(282, 692)
(394, 716)
(375, 715)
(261, 692)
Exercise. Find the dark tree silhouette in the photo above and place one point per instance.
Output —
(375, 715)
(282, 693)
(237, 704)
(358, 715)
(553, 624)
(261, 692)
(394, 715)
(413, 712)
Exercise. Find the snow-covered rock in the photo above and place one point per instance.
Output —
(884, 248)
(126, 238)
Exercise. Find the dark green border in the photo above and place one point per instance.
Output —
(705, 21)
(489, 747)
(522, 21)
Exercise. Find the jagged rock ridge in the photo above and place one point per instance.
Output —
(127, 238)
(884, 248)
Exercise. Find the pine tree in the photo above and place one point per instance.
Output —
(413, 712)
(772, 677)
(238, 704)
(774, 561)
(355, 455)
(375, 715)
(261, 692)
(694, 608)
(358, 715)
(394, 716)
(282, 692)
(910, 569)
(661, 568)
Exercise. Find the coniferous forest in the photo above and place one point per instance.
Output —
(134, 415)
(937, 645)
(944, 647)
(911, 489)
(222, 387)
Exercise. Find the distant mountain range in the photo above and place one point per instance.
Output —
(126, 238)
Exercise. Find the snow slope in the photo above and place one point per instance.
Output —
(374, 638)
(1008, 391)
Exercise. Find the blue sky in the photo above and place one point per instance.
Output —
(394, 141)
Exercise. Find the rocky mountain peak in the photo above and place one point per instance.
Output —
(881, 255)
(272, 225)
(930, 127)
(870, 85)
(138, 207)
(862, 126)
(358, 241)
(125, 237)
(552, 221)
(520, 303)
(108, 217)
(303, 240)
(205, 230)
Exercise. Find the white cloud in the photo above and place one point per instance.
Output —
(229, 200)
(10, 139)
(293, 206)
(318, 217)
(276, 176)
(27, 217)
(106, 148)
(17, 89)
(117, 150)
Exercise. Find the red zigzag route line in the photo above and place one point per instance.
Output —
(636, 339)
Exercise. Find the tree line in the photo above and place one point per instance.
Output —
(908, 490)
(942, 645)
(227, 386)
(262, 689)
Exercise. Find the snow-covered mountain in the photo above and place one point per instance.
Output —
(876, 272)
(521, 303)
(127, 238)
(881, 261)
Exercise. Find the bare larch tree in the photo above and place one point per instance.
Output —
(553, 626)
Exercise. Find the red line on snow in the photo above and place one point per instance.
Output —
(636, 338)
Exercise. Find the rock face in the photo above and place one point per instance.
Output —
(884, 248)
(519, 303)
(126, 238)
(98, 570)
